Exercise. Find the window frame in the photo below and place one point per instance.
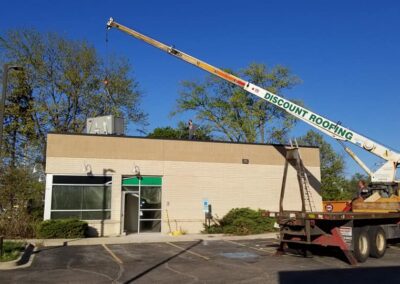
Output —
(107, 184)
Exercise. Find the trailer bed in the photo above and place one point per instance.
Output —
(332, 215)
(358, 234)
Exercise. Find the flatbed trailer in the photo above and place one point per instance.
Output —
(358, 235)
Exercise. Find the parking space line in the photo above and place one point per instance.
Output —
(259, 249)
(188, 251)
(116, 258)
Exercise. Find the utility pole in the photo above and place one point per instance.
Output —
(6, 68)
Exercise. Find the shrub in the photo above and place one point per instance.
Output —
(213, 229)
(20, 202)
(15, 224)
(242, 221)
(62, 228)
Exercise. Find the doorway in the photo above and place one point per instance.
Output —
(131, 212)
(141, 205)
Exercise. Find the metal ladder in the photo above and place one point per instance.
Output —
(305, 187)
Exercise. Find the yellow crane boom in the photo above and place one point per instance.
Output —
(386, 173)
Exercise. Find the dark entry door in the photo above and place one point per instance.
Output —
(131, 218)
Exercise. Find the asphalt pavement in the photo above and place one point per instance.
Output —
(201, 261)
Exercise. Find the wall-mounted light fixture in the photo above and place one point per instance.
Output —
(87, 168)
(136, 170)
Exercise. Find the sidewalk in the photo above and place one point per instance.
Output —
(147, 238)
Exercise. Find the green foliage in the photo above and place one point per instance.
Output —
(12, 250)
(350, 189)
(242, 221)
(166, 133)
(61, 86)
(18, 119)
(213, 229)
(243, 226)
(62, 228)
(237, 115)
(181, 132)
(20, 200)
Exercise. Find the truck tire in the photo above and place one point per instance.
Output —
(361, 245)
(377, 238)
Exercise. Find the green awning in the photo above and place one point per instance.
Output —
(144, 181)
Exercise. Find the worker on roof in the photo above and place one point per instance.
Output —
(192, 129)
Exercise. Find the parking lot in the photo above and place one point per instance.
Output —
(222, 261)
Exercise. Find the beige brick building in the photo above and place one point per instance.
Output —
(134, 185)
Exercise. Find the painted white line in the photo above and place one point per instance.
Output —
(116, 258)
(259, 249)
(188, 251)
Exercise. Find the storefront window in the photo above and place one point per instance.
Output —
(88, 200)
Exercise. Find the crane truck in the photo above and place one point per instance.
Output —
(358, 234)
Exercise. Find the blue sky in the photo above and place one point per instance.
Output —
(347, 53)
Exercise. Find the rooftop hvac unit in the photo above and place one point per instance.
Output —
(107, 125)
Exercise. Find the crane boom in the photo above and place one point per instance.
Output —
(386, 173)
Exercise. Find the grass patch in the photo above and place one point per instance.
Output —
(12, 250)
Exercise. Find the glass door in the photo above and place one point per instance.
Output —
(150, 209)
(149, 203)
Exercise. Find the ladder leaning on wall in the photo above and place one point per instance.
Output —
(293, 155)
(302, 172)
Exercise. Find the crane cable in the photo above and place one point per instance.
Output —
(106, 80)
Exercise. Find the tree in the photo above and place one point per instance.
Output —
(351, 187)
(237, 115)
(20, 202)
(19, 125)
(65, 82)
(181, 132)
(333, 181)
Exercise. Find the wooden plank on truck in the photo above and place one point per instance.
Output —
(374, 197)
(376, 206)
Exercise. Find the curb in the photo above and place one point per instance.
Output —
(24, 260)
